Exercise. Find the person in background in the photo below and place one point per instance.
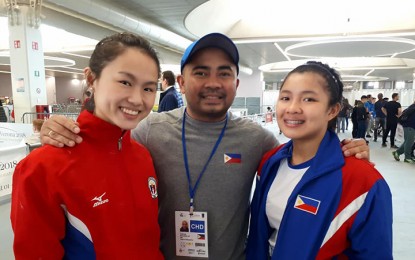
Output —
(354, 119)
(408, 134)
(37, 125)
(66, 202)
(364, 99)
(380, 120)
(342, 117)
(361, 117)
(392, 110)
(170, 98)
(3, 117)
(35, 137)
(216, 153)
(307, 193)
(349, 111)
(370, 107)
(372, 125)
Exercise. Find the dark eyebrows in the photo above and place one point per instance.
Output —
(200, 67)
(303, 92)
(133, 78)
(309, 92)
(127, 74)
(224, 67)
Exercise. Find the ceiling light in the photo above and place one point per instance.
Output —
(348, 78)
(363, 63)
(281, 50)
(351, 47)
(312, 38)
(63, 71)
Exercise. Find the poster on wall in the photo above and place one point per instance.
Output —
(9, 158)
(20, 85)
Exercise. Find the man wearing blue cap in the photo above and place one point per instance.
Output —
(216, 155)
(205, 157)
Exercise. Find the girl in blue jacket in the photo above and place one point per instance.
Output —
(310, 202)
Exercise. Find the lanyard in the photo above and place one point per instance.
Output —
(192, 190)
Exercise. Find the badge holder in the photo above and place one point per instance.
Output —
(191, 234)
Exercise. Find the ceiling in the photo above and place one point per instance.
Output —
(364, 41)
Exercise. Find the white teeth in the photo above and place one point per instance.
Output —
(129, 111)
(294, 122)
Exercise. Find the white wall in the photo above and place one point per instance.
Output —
(6, 85)
(270, 98)
(66, 87)
(250, 85)
(50, 90)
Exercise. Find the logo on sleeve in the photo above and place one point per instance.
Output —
(307, 204)
(152, 186)
(232, 158)
(99, 200)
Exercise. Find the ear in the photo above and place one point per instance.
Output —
(89, 76)
(180, 81)
(237, 83)
(334, 110)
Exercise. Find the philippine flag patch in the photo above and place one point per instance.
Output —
(307, 204)
(201, 236)
(232, 158)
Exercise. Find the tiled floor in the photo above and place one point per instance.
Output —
(399, 175)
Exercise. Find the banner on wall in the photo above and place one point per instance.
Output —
(9, 157)
(13, 133)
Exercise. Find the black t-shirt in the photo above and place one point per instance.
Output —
(392, 108)
(378, 108)
(361, 113)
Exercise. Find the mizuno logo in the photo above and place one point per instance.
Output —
(99, 200)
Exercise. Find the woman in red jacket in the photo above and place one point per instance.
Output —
(92, 201)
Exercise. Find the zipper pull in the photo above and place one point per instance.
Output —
(120, 143)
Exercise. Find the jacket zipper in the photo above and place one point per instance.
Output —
(120, 140)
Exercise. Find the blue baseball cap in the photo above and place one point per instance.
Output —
(212, 40)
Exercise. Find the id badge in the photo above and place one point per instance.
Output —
(191, 234)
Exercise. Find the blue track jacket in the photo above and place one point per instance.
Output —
(341, 208)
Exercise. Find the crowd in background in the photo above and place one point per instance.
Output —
(379, 117)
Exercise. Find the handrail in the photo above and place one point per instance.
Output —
(32, 116)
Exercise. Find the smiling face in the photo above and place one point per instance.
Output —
(209, 82)
(303, 110)
(124, 93)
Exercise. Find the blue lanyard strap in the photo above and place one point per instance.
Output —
(192, 190)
